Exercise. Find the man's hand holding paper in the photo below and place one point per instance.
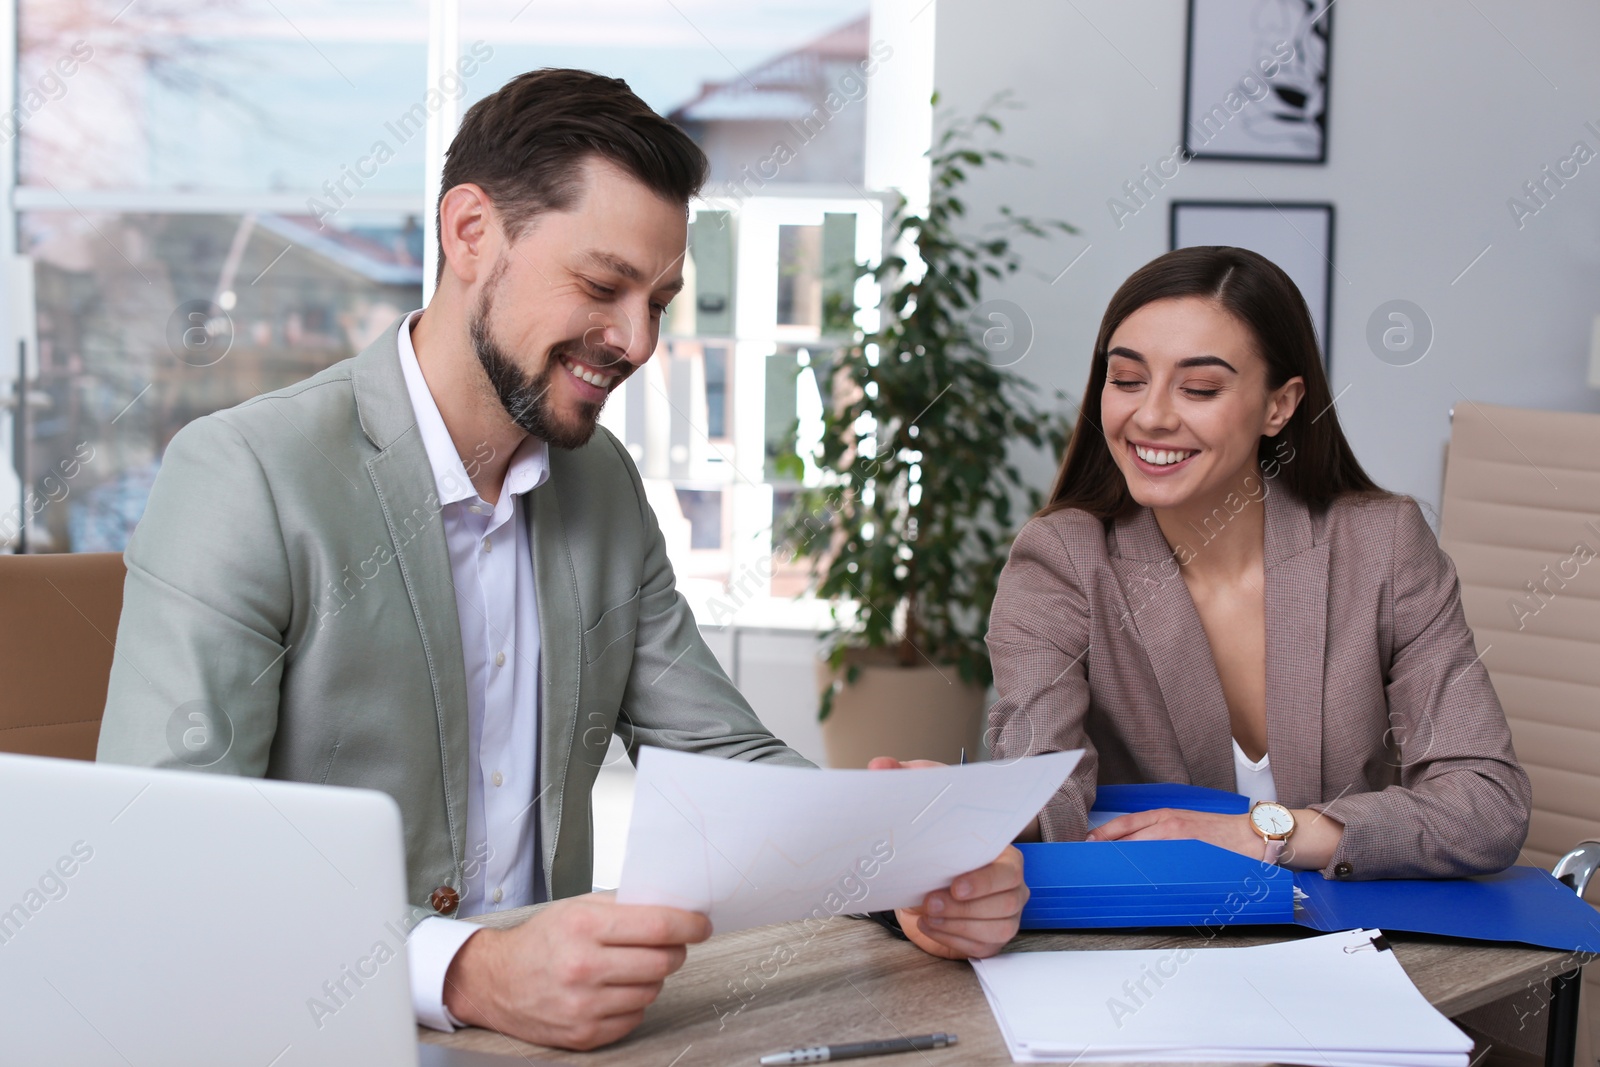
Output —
(978, 914)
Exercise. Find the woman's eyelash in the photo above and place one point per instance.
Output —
(1123, 383)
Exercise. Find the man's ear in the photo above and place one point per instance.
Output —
(469, 234)
(1285, 399)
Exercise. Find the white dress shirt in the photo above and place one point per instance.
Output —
(492, 566)
(1253, 778)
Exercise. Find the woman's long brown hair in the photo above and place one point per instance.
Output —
(1261, 296)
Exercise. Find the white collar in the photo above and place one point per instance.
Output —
(530, 463)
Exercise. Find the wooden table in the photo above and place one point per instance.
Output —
(735, 998)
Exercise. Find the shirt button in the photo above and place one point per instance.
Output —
(498, 778)
(475, 509)
(1342, 870)
(499, 659)
(488, 546)
(499, 895)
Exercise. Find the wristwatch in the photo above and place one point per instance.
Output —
(1275, 823)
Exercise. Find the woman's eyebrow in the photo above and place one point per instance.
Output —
(1190, 361)
(1207, 361)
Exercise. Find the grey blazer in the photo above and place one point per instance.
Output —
(1379, 709)
(291, 571)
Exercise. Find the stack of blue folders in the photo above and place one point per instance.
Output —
(1099, 884)
(1109, 884)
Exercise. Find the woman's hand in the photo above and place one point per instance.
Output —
(1311, 847)
(1232, 832)
(889, 763)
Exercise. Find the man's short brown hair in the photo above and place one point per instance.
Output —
(526, 143)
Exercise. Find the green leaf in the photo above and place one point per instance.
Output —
(926, 578)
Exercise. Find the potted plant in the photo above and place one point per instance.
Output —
(919, 492)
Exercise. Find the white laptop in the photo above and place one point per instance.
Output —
(178, 917)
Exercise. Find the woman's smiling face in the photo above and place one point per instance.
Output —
(1186, 402)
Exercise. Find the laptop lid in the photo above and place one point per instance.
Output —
(177, 917)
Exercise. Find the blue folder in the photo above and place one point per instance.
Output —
(1144, 797)
(1118, 884)
(1099, 884)
(1523, 904)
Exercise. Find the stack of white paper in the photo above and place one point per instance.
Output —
(753, 843)
(1331, 1000)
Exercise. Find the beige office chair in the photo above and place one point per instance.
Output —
(1521, 519)
(58, 622)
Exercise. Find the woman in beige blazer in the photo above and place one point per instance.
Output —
(1218, 594)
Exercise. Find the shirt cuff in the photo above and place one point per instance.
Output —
(433, 943)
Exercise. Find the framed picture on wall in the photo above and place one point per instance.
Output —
(1256, 87)
(1296, 236)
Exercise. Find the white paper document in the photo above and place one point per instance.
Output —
(754, 843)
(1331, 1000)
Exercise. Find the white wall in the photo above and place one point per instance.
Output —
(1435, 120)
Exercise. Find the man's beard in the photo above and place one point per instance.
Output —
(525, 397)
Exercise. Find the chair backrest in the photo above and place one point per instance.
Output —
(58, 627)
(1521, 519)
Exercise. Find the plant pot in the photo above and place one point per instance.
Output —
(921, 712)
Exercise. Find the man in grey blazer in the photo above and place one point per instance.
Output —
(426, 571)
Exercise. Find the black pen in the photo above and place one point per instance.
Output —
(854, 1050)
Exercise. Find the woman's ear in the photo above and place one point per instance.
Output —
(1282, 404)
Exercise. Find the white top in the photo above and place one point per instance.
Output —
(492, 567)
(1253, 779)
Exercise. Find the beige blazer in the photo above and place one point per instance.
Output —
(291, 572)
(1379, 709)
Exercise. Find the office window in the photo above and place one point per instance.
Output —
(212, 199)
(220, 96)
(740, 378)
(800, 276)
(716, 361)
(147, 321)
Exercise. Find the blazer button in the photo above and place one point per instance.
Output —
(1342, 869)
(445, 900)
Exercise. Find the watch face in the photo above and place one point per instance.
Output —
(1274, 819)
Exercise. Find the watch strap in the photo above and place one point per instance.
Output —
(1274, 849)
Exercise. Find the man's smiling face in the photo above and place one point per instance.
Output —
(574, 305)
